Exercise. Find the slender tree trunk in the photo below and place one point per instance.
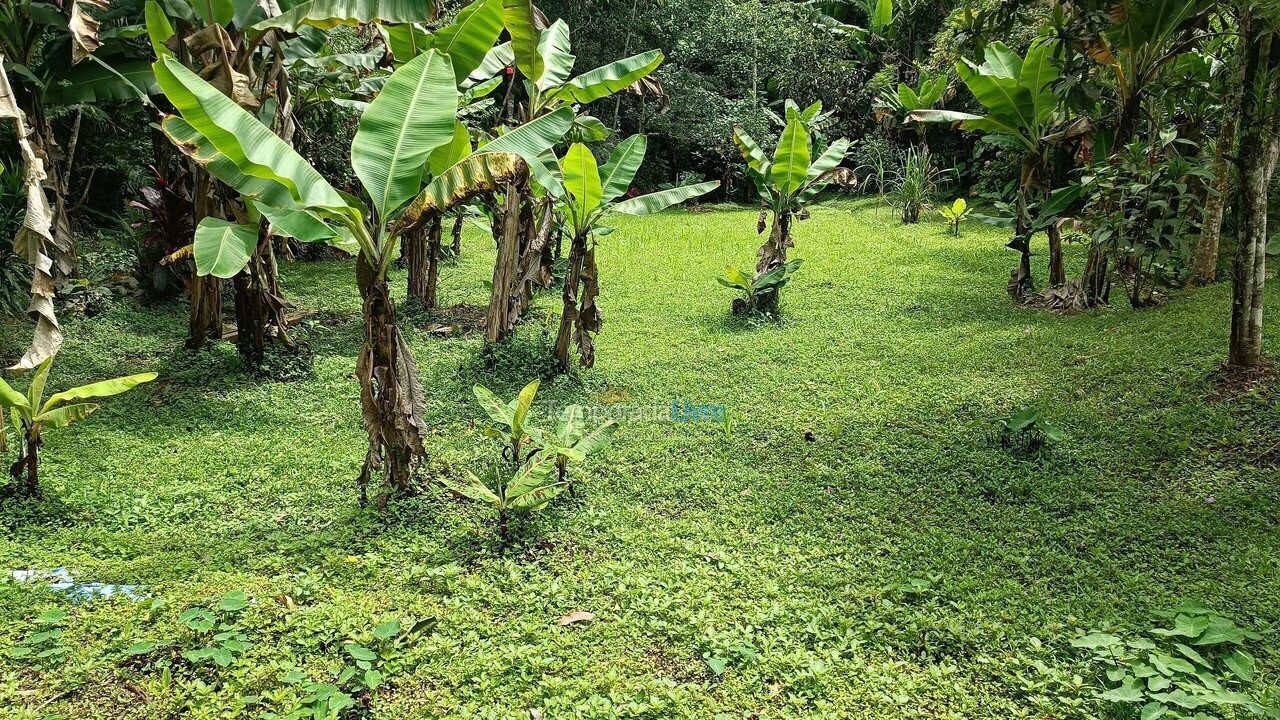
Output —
(1204, 265)
(434, 231)
(259, 306)
(26, 470)
(1259, 146)
(1021, 284)
(391, 397)
(457, 236)
(569, 311)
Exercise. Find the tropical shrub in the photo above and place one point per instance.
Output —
(31, 414)
(1195, 669)
(756, 287)
(915, 185)
(1145, 213)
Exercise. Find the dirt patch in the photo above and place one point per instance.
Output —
(1233, 382)
(460, 319)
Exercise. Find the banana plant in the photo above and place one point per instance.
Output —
(954, 213)
(1024, 110)
(895, 105)
(57, 57)
(529, 488)
(413, 116)
(756, 287)
(510, 420)
(31, 414)
(788, 183)
(573, 440)
(586, 195)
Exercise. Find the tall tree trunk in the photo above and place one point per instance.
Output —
(1259, 146)
(1204, 264)
(504, 300)
(391, 397)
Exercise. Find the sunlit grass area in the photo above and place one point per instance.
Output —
(855, 544)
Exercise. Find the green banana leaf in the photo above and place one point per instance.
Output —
(223, 248)
(609, 79)
(663, 199)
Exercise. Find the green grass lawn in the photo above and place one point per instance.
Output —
(781, 554)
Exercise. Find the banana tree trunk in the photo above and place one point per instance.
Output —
(569, 310)
(457, 236)
(204, 320)
(773, 254)
(391, 396)
(504, 300)
(1204, 265)
(1021, 284)
(1057, 265)
(422, 253)
(1096, 281)
(1259, 146)
(259, 305)
(26, 471)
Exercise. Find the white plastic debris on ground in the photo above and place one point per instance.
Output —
(60, 580)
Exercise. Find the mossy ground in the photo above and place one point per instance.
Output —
(860, 458)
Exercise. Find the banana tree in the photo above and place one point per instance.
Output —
(57, 57)
(588, 194)
(896, 105)
(1025, 111)
(787, 184)
(412, 117)
(31, 414)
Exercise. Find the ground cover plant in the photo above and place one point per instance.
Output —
(857, 545)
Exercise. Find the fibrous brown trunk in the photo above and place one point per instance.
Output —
(26, 471)
(773, 254)
(1021, 284)
(457, 236)
(1057, 266)
(570, 312)
(391, 397)
(504, 300)
(205, 318)
(422, 254)
(1259, 147)
(259, 305)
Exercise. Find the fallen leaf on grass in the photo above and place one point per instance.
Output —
(576, 617)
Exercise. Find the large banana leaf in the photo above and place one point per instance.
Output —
(95, 83)
(663, 199)
(617, 174)
(223, 248)
(325, 14)
(557, 61)
(582, 183)
(609, 79)
(791, 158)
(413, 115)
(997, 85)
(521, 23)
(233, 132)
(453, 152)
(498, 58)
(532, 140)
(406, 41)
(301, 225)
(833, 156)
(1039, 72)
(751, 151)
(64, 416)
(106, 388)
(468, 40)
(484, 172)
(198, 148)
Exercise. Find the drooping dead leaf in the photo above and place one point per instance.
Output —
(84, 28)
(576, 616)
(34, 238)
